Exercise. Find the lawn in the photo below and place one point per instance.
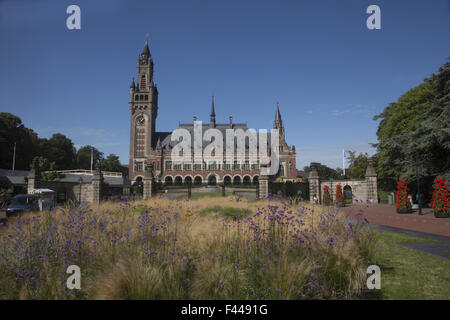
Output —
(408, 273)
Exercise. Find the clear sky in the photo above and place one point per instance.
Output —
(330, 74)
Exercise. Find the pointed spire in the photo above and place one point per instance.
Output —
(213, 114)
(132, 85)
(278, 115)
(158, 143)
(146, 50)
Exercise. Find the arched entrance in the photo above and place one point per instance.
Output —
(188, 180)
(247, 180)
(348, 195)
(168, 181)
(138, 187)
(178, 180)
(198, 180)
(237, 180)
(212, 181)
(227, 180)
(255, 180)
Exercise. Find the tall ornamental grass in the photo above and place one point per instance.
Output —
(172, 249)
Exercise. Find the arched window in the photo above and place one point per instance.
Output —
(281, 170)
(146, 97)
(136, 97)
(168, 181)
(143, 82)
(198, 180)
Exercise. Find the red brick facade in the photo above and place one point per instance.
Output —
(149, 146)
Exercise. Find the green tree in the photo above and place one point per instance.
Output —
(58, 149)
(357, 165)
(13, 131)
(326, 173)
(48, 170)
(416, 130)
(111, 163)
(83, 157)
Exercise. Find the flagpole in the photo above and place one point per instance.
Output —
(343, 160)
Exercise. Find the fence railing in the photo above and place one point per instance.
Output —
(88, 172)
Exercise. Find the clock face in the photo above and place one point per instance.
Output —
(140, 121)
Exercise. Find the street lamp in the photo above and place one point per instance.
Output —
(419, 200)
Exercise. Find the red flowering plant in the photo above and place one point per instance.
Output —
(339, 198)
(401, 197)
(326, 196)
(440, 198)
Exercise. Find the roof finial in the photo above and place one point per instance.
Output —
(213, 113)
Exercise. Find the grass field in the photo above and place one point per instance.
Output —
(408, 273)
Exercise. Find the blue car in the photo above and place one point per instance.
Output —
(22, 202)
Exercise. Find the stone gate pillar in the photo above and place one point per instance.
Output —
(263, 182)
(126, 185)
(314, 182)
(148, 181)
(97, 185)
(34, 177)
(371, 182)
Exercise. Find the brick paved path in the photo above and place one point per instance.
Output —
(386, 215)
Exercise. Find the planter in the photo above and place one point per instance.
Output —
(404, 210)
(442, 214)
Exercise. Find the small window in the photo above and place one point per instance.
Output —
(138, 167)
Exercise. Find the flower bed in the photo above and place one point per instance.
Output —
(339, 199)
(440, 199)
(402, 202)
(167, 249)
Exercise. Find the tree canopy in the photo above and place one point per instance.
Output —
(415, 132)
(357, 165)
(13, 131)
(83, 157)
(111, 163)
(58, 149)
(326, 173)
(56, 153)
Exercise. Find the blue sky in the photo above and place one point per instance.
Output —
(330, 74)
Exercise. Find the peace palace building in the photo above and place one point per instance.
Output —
(147, 146)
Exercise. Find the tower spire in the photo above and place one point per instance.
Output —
(278, 123)
(146, 50)
(278, 115)
(213, 114)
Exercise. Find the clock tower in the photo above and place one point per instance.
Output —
(143, 110)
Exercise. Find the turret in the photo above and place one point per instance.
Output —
(213, 115)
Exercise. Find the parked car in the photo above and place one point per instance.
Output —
(22, 202)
